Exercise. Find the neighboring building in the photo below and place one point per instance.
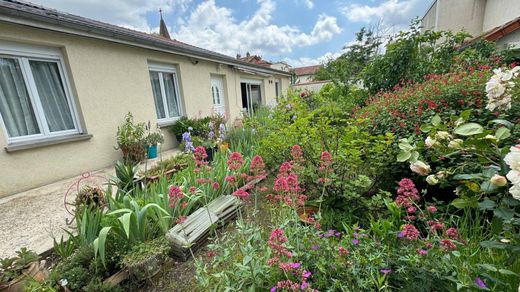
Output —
(304, 78)
(305, 74)
(494, 20)
(283, 66)
(66, 83)
(254, 59)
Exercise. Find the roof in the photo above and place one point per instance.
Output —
(309, 70)
(254, 59)
(29, 14)
(496, 33)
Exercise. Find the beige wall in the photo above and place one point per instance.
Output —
(456, 15)
(499, 12)
(304, 79)
(108, 80)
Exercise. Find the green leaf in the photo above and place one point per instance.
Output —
(125, 220)
(456, 253)
(464, 203)
(469, 129)
(468, 176)
(507, 272)
(487, 205)
(405, 146)
(493, 244)
(403, 156)
(99, 244)
(503, 133)
(436, 120)
(488, 267)
(487, 187)
(504, 213)
(503, 122)
(425, 128)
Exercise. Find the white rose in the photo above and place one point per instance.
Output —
(513, 176)
(513, 158)
(432, 180)
(515, 191)
(429, 142)
(455, 144)
(506, 76)
(442, 174)
(442, 135)
(498, 180)
(420, 168)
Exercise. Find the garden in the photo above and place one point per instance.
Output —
(410, 182)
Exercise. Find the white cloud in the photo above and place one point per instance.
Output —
(215, 28)
(305, 61)
(390, 12)
(308, 3)
(126, 13)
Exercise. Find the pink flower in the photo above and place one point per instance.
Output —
(257, 166)
(200, 156)
(285, 169)
(343, 251)
(215, 186)
(435, 225)
(410, 232)
(235, 161)
(297, 155)
(184, 205)
(240, 193)
(175, 193)
(181, 220)
(422, 251)
(447, 245)
(325, 161)
(431, 209)
(211, 253)
(452, 233)
(192, 189)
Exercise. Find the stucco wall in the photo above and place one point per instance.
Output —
(499, 12)
(428, 21)
(108, 80)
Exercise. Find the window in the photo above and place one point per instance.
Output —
(165, 92)
(278, 88)
(35, 100)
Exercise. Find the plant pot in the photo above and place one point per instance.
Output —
(306, 213)
(146, 268)
(34, 271)
(152, 151)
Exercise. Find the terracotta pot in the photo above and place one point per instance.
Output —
(34, 271)
(307, 212)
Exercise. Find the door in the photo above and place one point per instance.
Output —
(251, 96)
(217, 92)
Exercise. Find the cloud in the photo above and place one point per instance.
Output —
(215, 28)
(390, 12)
(305, 61)
(126, 13)
(308, 3)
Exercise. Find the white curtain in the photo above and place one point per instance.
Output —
(157, 96)
(171, 96)
(15, 104)
(52, 95)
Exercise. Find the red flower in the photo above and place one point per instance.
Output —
(181, 220)
(243, 195)
(200, 156)
(235, 161)
(410, 232)
(175, 193)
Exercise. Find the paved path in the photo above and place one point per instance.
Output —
(32, 218)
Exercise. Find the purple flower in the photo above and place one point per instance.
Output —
(189, 146)
(211, 134)
(273, 289)
(186, 136)
(422, 251)
(355, 241)
(355, 234)
(385, 271)
(211, 126)
(357, 228)
(222, 131)
(337, 234)
(480, 283)
(295, 265)
(400, 234)
(306, 274)
(364, 235)
(315, 247)
(304, 285)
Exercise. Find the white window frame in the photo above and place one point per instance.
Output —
(160, 69)
(23, 54)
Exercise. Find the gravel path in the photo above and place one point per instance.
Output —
(32, 218)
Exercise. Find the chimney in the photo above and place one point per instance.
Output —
(163, 30)
(248, 55)
(238, 56)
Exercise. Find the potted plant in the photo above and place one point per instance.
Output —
(146, 259)
(152, 140)
(130, 139)
(15, 271)
(167, 167)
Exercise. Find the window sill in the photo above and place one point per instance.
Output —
(19, 146)
(167, 123)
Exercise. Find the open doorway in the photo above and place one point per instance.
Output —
(251, 96)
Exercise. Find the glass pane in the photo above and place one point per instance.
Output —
(171, 96)
(52, 95)
(157, 96)
(15, 105)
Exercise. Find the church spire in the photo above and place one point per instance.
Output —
(163, 30)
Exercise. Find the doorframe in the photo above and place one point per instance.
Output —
(248, 83)
(224, 91)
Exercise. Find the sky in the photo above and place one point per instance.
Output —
(300, 32)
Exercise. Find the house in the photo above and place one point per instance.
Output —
(303, 78)
(66, 83)
(489, 19)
